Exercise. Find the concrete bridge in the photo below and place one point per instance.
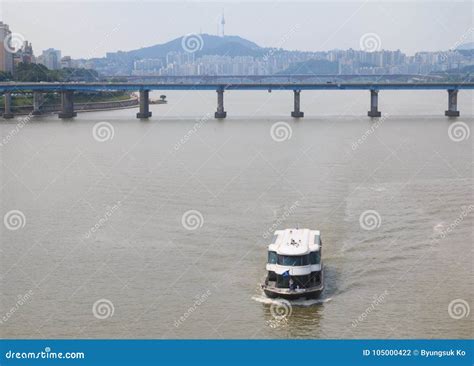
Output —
(67, 92)
(276, 78)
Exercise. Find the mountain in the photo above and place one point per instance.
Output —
(233, 49)
(203, 44)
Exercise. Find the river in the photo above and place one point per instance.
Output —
(120, 228)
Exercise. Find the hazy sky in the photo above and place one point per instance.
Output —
(91, 28)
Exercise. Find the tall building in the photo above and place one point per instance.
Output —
(221, 26)
(6, 54)
(66, 62)
(25, 54)
(50, 58)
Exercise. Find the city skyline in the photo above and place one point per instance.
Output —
(407, 27)
(203, 54)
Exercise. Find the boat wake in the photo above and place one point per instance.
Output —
(300, 302)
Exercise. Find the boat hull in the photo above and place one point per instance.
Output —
(311, 293)
(285, 293)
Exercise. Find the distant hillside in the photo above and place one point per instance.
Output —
(466, 46)
(312, 67)
(463, 70)
(233, 49)
(203, 44)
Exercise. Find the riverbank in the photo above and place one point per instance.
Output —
(80, 107)
(131, 102)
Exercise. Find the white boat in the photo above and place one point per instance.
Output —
(295, 266)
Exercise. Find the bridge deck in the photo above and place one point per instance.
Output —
(131, 86)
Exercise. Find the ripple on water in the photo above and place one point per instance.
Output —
(301, 302)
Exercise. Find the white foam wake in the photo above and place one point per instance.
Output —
(300, 302)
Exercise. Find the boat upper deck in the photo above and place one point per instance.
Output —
(295, 242)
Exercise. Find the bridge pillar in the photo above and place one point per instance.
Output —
(144, 104)
(67, 104)
(452, 104)
(37, 103)
(8, 106)
(297, 113)
(220, 105)
(374, 104)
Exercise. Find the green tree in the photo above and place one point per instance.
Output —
(5, 76)
(34, 73)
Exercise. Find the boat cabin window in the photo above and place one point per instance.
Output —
(272, 257)
(293, 260)
(315, 257)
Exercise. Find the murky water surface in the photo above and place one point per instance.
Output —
(104, 220)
